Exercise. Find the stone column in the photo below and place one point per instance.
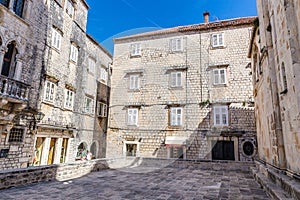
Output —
(2, 53)
(11, 5)
(18, 69)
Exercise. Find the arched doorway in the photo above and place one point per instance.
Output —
(81, 151)
(9, 60)
(93, 149)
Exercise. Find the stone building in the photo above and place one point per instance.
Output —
(274, 51)
(184, 92)
(75, 66)
(22, 36)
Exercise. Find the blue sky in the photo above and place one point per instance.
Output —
(109, 19)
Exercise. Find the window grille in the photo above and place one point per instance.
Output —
(16, 135)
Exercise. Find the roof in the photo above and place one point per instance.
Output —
(194, 27)
(99, 45)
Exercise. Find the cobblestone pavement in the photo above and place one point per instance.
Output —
(138, 183)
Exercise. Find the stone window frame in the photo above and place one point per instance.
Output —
(219, 75)
(216, 38)
(132, 116)
(101, 109)
(56, 39)
(70, 8)
(131, 142)
(175, 84)
(69, 94)
(176, 44)
(16, 6)
(221, 107)
(103, 74)
(53, 86)
(173, 110)
(134, 82)
(92, 106)
(135, 50)
(18, 128)
(91, 70)
(283, 76)
(74, 51)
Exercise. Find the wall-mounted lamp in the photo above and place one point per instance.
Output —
(28, 117)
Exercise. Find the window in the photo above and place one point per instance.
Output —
(176, 79)
(135, 49)
(176, 44)
(9, 60)
(102, 109)
(70, 8)
(218, 40)
(176, 116)
(16, 135)
(49, 91)
(18, 7)
(134, 82)
(56, 38)
(89, 105)
(283, 78)
(92, 65)
(74, 53)
(69, 99)
(103, 74)
(220, 115)
(219, 76)
(132, 116)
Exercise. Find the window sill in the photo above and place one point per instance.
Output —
(176, 87)
(55, 49)
(176, 51)
(218, 47)
(220, 85)
(73, 62)
(68, 109)
(48, 103)
(132, 126)
(133, 90)
(135, 56)
(176, 127)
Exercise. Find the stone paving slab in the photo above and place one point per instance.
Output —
(146, 183)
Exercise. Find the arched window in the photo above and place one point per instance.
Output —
(18, 7)
(9, 61)
(81, 151)
(94, 149)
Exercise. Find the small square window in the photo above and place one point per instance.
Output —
(49, 91)
(217, 40)
(176, 44)
(219, 76)
(176, 79)
(16, 135)
(56, 39)
(221, 115)
(176, 116)
(135, 49)
(134, 82)
(132, 118)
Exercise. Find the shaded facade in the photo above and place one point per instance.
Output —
(275, 51)
(184, 92)
(22, 48)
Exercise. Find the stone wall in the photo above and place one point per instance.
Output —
(275, 69)
(197, 94)
(26, 176)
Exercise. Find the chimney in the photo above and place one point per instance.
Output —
(206, 16)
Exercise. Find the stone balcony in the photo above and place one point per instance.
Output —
(15, 91)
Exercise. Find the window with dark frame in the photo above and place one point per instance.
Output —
(18, 7)
(16, 135)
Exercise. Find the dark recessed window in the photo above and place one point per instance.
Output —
(18, 7)
(16, 135)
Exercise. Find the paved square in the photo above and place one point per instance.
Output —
(147, 183)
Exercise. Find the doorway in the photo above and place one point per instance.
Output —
(51, 151)
(223, 150)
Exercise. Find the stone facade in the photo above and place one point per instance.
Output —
(22, 48)
(169, 87)
(275, 51)
(73, 67)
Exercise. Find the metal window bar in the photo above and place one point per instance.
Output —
(16, 135)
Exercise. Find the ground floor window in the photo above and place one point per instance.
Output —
(39, 146)
(176, 152)
(131, 149)
(52, 148)
(64, 148)
(223, 150)
(81, 151)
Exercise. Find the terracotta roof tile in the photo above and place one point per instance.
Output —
(193, 27)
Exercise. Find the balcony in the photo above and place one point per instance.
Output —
(13, 89)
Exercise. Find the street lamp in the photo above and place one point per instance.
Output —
(29, 117)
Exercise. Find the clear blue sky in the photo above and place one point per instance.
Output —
(109, 19)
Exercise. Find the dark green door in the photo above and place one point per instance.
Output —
(223, 150)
